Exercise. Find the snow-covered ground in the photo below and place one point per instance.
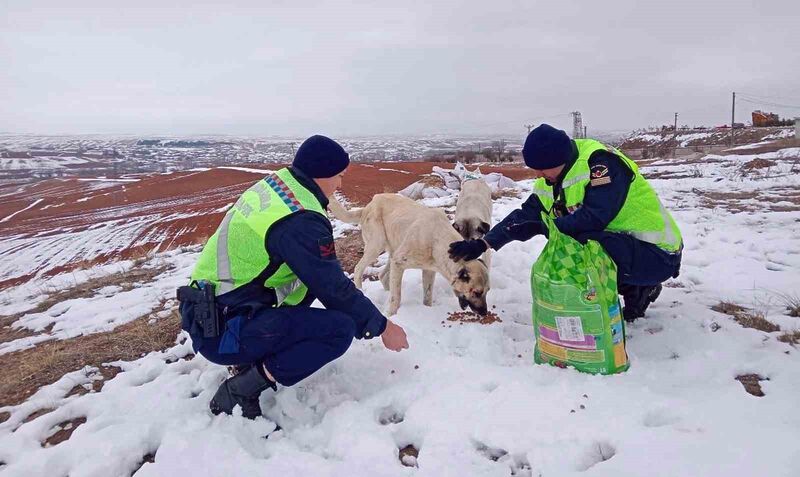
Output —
(693, 137)
(468, 396)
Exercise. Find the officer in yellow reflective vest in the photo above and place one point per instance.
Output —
(269, 259)
(594, 192)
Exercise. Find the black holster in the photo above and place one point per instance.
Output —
(201, 295)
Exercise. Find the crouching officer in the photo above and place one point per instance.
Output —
(272, 255)
(595, 193)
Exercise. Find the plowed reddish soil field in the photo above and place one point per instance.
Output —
(58, 225)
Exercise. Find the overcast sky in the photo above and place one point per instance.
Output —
(360, 68)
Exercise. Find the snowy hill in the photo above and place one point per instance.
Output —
(703, 137)
(465, 396)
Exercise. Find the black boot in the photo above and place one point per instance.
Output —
(654, 293)
(243, 390)
(637, 299)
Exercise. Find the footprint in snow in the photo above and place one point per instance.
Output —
(518, 464)
(389, 415)
(598, 452)
(660, 417)
(491, 453)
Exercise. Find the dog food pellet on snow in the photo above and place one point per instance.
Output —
(470, 317)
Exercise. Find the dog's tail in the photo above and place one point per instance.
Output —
(337, 209)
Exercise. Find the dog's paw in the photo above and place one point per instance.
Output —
(391, 310)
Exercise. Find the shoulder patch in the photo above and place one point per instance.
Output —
(327, 248)
(598, 174)
(598, 170)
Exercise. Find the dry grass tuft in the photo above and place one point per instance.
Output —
(8, 333)
(746, 317)
(751, 383)
(758, 163)
(790, 337)
(792, 303)
(728, 308)
(26, 371)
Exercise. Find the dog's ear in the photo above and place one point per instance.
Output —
(483, 228)
(463, 275)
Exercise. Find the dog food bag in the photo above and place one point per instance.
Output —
(576, 311)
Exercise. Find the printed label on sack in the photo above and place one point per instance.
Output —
(558, 352)
(620, 357)
(569, 328)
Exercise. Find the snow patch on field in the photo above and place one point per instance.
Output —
(784, 134)
(9, 217)
(104, 179)
(248, 169)
(395, 170)
(685, 139)
(39, 162)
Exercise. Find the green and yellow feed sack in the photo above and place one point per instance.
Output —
(576, 310)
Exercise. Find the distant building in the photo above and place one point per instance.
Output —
(764, 119)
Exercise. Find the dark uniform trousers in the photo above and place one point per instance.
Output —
(292, 342)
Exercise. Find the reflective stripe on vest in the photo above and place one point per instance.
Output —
(574, 180)
(667, 236)
(286, 290)
(223, 260)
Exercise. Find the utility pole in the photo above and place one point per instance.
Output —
(577, 125)
(584, 132)
(529, 127)
(733, 111)
(675, 135)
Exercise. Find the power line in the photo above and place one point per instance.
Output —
(771, 98)
(761, 96)
(768, 103)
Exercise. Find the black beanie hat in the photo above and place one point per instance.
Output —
(546, 147)
(320, 157)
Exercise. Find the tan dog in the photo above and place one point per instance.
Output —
(474, 212)
(415, 237)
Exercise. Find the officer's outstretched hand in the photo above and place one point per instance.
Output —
(467, 249)
(394, 337)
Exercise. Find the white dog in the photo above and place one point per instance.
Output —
(415, 237)
(474, 212)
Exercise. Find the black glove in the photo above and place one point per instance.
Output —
(467, 249)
